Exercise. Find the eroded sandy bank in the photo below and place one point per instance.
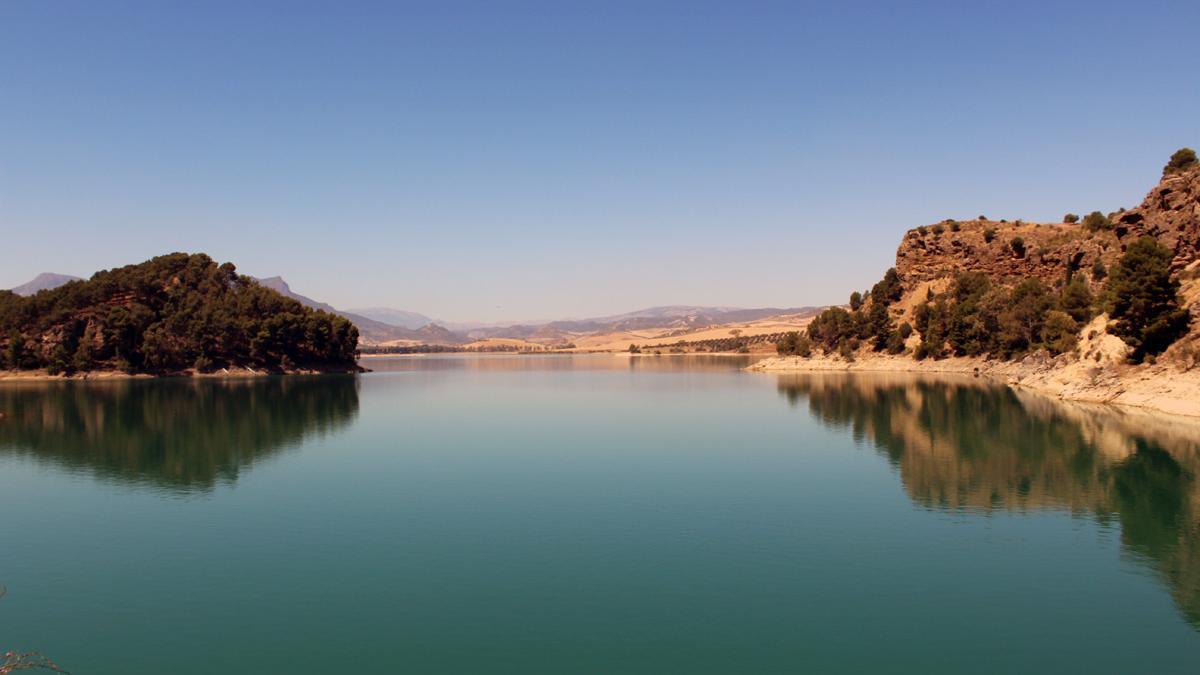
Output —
(1158, 388)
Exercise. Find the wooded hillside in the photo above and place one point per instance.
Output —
(171, 314)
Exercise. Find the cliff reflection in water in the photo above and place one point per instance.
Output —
(970, 445)
(184, 435)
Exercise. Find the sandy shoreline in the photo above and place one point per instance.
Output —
(1158, 388)
(105, 375)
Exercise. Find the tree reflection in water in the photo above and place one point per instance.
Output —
(178, 434)
(965, 444)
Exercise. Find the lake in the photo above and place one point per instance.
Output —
(556, 514)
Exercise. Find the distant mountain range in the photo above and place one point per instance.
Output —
(383, 324)
(372, 330)
(44, 282)
(670, 316)
(395, 317)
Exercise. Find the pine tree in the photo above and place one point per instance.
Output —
(1144, 299)
(1076, 300)
(15, 352)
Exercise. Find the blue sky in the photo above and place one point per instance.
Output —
(512, 160)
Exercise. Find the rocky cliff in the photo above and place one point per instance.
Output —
(1169, 213)
(1003, 327)
(1011, 251)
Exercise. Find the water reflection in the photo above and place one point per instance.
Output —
(184, 435)
(969, 445)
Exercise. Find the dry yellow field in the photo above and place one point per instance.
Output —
(620, 341)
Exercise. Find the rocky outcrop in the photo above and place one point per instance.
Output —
(1048, 251)
(1053, 251)
(1171, 214)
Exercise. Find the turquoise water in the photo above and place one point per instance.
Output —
(592, 514)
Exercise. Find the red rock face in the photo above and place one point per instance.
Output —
(1046, 251)
(1052, 251)
(1169, 213)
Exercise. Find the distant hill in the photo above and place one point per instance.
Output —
(394, 317)
(172, 314)
(370, 330)
(671, 316)
(44, 282)
(382, 325)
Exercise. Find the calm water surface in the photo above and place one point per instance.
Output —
(593, 514)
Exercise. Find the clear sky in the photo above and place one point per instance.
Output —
(511, 160)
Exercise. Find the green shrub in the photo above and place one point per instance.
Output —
(876, 326)
(85, 351)
(1098, 270)
(1095, 221)
(1017, 245)
(856, 301)
(989, 234)
(888, 290)
(1022, 321)
(794, 344)
(931, 320)
(1060, 332)
(955, 226)
(1071, 218)
(60, 361)
(939, 228)
(965, 332)
(846, 351)
(1184, 158)
(832, 327)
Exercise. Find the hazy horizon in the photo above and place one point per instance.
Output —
(489, 163)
